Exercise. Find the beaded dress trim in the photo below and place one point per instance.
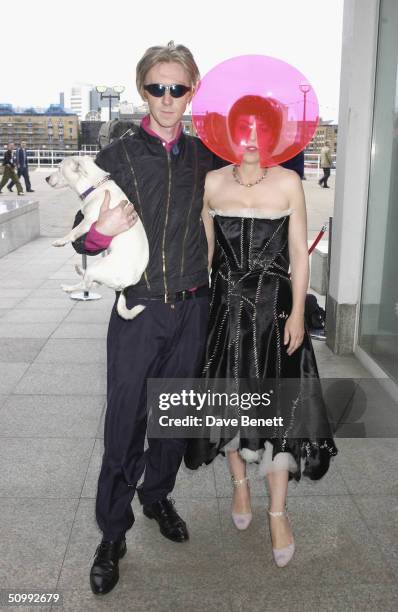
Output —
(250, 213)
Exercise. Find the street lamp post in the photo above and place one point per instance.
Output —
(117, 89)
(304, 88)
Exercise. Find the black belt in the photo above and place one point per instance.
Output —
(178, 296)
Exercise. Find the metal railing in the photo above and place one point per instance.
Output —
(312, 163)
(51, 158)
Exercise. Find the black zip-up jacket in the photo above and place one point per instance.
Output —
(166, 189)
(8, 159)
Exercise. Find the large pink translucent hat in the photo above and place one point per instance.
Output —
(259, 91)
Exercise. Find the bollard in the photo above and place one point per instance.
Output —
(320, 334)
(85, 296)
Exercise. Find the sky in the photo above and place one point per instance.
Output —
(55, 44)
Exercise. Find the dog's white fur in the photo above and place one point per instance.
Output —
(128, 252)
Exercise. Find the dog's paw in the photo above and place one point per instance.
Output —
(60, 242)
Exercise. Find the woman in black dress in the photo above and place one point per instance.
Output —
(255, 220)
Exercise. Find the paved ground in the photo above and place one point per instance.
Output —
(52, 398)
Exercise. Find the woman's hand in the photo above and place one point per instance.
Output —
(114, 221)
(294, 332)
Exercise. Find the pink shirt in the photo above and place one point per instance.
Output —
(95, 240)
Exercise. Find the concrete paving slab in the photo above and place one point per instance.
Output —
(190, 484)
(155, 600)
(11, 374)
(26, 330)
(10, 283)
(56, 293)
(334, 548)
(43, 467)
(73, 350)
(10, 292)
(380, 514)
(20, 349)
(100, 430)
(369, 465)
(34, 534)
(90, 484)
(41, 303)
(358, 596)
(9, 302)
(80, 330)
(63, 379)
(34, 316)
(105, 304)
(51, 416)
(78, 315)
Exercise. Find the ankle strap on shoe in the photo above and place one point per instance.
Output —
(236, 482)
(282, 513)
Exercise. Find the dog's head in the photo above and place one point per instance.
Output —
(75, 172)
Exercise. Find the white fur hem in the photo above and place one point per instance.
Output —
(251, 456)
(281, 461)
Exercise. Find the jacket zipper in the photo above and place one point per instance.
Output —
(165, 226)
(190, 208)
(138, 200)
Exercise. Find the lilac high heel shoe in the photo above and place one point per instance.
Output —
(282, 556)
(241, 520)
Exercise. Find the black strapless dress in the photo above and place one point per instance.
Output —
(251, 298)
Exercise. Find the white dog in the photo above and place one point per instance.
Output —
(129, 251)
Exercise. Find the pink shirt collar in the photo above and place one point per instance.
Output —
(167, 145)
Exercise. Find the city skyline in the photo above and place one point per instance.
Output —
(306, 34)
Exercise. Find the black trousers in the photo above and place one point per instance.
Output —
(164, 341)
(25, 173)
(324, 179)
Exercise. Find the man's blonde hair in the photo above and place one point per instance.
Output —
(169, 53)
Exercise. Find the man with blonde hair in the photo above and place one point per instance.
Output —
(162, 171)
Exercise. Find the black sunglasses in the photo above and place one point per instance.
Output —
(157, 90)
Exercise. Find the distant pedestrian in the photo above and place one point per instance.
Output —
(9, 169)
(326, 164)
(22, 168)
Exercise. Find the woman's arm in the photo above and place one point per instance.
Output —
(299, 264)
(208, 222)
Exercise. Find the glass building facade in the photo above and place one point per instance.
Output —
(378, 322)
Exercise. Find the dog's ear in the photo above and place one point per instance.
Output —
(81, 167)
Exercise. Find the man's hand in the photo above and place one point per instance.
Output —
(114, 221)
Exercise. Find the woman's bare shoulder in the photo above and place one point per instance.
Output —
(285, 173)
(215, 177)
(289, 180)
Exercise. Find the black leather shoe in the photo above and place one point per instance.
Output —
(170, 523)
(9, 189)
(104, 573)
(30, 190)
